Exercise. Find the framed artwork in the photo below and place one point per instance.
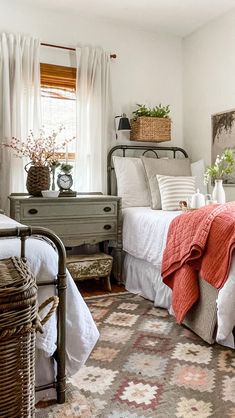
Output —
(223, 136)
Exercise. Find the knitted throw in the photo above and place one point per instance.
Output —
(199, 241)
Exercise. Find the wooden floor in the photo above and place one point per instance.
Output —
(94, 287)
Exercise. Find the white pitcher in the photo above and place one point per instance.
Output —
(197, 200)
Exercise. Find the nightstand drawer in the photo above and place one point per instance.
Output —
(94, 227)
(77, 233)
(53, 210)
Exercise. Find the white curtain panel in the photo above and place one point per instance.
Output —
(19, 105)
(93, 119)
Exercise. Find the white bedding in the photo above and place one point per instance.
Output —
(144, 238)
(145, 232)
(144, 279)
(81, 331)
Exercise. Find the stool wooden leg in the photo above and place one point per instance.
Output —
(106, 283)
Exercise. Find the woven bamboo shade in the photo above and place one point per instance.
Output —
(58, 76)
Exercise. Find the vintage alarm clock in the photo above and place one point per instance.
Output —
(64, 181)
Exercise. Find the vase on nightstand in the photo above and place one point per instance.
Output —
(218, 192)
(38, 179)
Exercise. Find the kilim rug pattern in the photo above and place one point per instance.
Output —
(145, 365)
(76, 405)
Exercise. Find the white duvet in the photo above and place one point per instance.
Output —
(81, 331)
(144, 237)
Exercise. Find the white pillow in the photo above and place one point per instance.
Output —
(166, 167)
(131, 181)
(174, 189)
(198, 170)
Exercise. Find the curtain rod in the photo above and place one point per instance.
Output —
(69, 48)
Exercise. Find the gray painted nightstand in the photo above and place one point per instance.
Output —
(85, 219)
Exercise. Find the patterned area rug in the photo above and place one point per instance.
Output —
(145, 365)
(76, 405)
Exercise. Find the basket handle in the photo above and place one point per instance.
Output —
(55, 301)
(26, 166)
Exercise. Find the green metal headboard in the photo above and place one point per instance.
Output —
(155, 149)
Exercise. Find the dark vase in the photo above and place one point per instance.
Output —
(38, 179)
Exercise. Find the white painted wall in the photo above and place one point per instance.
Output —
(148, 68)
(208, 84)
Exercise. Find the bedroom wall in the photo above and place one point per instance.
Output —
(148, 68)
(208, 84)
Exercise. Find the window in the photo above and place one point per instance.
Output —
(58, 99)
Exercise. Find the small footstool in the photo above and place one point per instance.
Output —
(90, 266)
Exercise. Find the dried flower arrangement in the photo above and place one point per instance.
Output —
(42, 150)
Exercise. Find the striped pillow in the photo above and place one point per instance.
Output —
(173, 189)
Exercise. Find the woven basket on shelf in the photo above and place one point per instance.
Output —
(150, 129)
(38, 179)
(18, 324)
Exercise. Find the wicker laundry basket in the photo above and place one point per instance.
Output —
(18, 324)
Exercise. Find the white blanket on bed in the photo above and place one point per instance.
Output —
(81, 331)
(145, 232)
(144, 237)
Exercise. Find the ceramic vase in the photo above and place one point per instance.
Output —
(218, 192)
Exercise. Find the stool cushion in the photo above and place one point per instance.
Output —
(89, 266)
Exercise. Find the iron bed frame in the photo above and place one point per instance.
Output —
(199, 309)
(61, 283)
(145, 148)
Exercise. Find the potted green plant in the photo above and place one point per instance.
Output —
(151, 124)
(66, 168)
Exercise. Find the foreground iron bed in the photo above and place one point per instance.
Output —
(61, 283)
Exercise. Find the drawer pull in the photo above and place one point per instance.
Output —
(33, 211)
(107, 209)
(107, 227)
